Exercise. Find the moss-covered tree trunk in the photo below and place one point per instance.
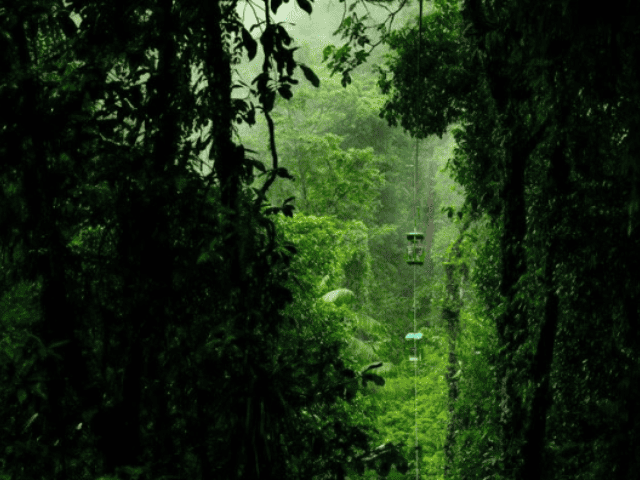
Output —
(533, 461)
(451, 316)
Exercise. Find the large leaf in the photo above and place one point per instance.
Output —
(310, 75)
(341, 296)
(305, 5)
(249, 43)
(372, 377)
(323, 283)
(372, 366)
(360, 351)
(370, 325)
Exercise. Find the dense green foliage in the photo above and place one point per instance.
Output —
(544, 94)
(148, 330)
(180, 306)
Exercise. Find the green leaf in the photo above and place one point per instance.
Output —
(310, 75)
(37, 389)
(284, 173)
(338, 297)
(327, 52)
(268, 100)
(285, 92)
(324, 281)
(372, 366)
(287, 210)
(282, 36)
(305, 5)
(249, 43)
(346, 79)
(371, 377)
(22, 395)
(267, 43)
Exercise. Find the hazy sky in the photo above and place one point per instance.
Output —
(315, 31)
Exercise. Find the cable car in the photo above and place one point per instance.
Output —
(416, 355)
(416, 252)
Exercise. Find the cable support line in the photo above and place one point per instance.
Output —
(416, 251)
(416, 214)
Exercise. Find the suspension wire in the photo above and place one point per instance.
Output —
(415, 372)
(415, 229)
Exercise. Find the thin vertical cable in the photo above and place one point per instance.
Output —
(415, 229)
(415, 371)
